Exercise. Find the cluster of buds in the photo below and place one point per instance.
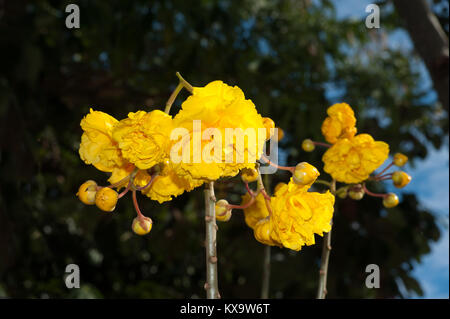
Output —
(106, 198)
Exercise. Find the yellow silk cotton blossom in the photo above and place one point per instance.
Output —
(219, 107)
(97, 146)
(296, 216)
(144, 137)
(299, 214)
(166, 185)
(340, 123)
(353, 160)
(255, 212)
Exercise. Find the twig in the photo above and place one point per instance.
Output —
(326, 249)
(211, 286)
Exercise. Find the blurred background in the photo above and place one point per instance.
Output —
(293, 59)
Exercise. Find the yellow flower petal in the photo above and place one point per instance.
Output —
(340, 123)
(353, 160)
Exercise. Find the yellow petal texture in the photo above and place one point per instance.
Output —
(255, 212)
(340, 123)
(353, 160)
(166, 185)
(144, 137)
(298, 215)
(218, 106)
(119, 173)
(97, 146)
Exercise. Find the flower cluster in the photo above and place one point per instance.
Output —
(352, 158)
(292, 216)
(137, 151)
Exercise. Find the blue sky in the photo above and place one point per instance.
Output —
(430, 176)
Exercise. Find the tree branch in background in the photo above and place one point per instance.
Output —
(430, 41)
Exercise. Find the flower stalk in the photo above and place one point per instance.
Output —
(211, 285)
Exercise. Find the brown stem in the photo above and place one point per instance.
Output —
(285, 168)
(387, 167)
(211, 286)
(326, 249)
(372, 194)
(322, 144)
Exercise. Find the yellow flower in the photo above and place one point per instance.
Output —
(119, 173)
(298, 215)
(353, 160)
(144, 137)
(264, 233)
(219, 107)
(340, 123)
(255, 212)
(165, 185)
(97, 146)
(269, 124)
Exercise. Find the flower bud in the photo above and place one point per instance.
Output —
(223, 213)
(262, 231)
(249, 175)
(106, 199)
(356, 192)
(400, 179)
(86, 192)
(308, 145)
(305, 173)
(400, 159)
(280, 134)
(268, 124)
(391, 200)
(342, 192)
(141, 226)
